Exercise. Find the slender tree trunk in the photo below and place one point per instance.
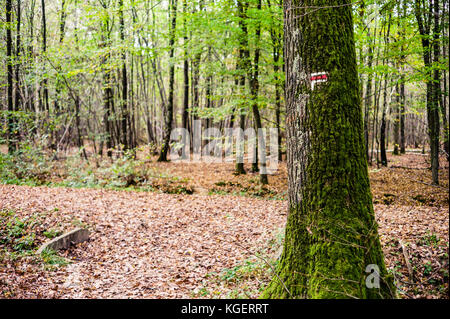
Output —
(383, 156)
(78, 126)
(276, 51)
(377, 92)
(124, 105)
(44, 52)
(169, 112)
(331, 233)
(30, 87)
(254, 90)
(107, 106)
(444, 99)
(185, 113)
(424, 21)
(402, 115)
(62, 26)
(195, 81)
(108, 94)
(375, 138)
(18, 57)
(385, 104)
(436, 95)
(397, 121)
(18, 62)
(402, 88)
(368, 98)
(9, 70)
(243, 64)
(236, 84)
(278, 112)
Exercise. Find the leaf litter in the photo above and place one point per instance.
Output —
(156, 245)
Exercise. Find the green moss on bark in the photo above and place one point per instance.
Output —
(331, 232)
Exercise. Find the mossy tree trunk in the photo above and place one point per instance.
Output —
(331, 232)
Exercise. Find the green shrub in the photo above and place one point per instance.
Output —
(27, 165)
(25, 242)
(51, 257)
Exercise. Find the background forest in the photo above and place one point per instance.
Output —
(91, 90)
(115, 75)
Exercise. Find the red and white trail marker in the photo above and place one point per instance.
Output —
(317, 78)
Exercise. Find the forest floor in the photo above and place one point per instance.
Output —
(220, 241)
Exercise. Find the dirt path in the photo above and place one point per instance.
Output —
(146, 245)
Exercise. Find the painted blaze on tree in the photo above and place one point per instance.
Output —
(331, 233)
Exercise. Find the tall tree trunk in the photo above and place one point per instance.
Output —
(107, 100)
(242, 66)
(278, 110)
(80, 143)
(9, 70)
(185, 113)
(444, 99)
(168, 118)
(436, 95)
(424, 20)
(44, 52)
(377, 92)
(18, 62)
(402, 110)
(125, 121)
(62, 27)
(108, 94)
(397, 112)
(368, 98)
(276, 51)
(254, 90)
(18, 56)
(402, 87)
(30, 87)
(195, 81)
(383, 155)
(331, 233)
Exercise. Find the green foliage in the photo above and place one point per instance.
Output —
(15, 233)
(31, 166)
(430, 240)
(26, 242)
(123, 173)
(248, 278)
(52, 233)
(18, 239)
(427, 268)
(27, 165)
(51, 258)
(255, 189)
